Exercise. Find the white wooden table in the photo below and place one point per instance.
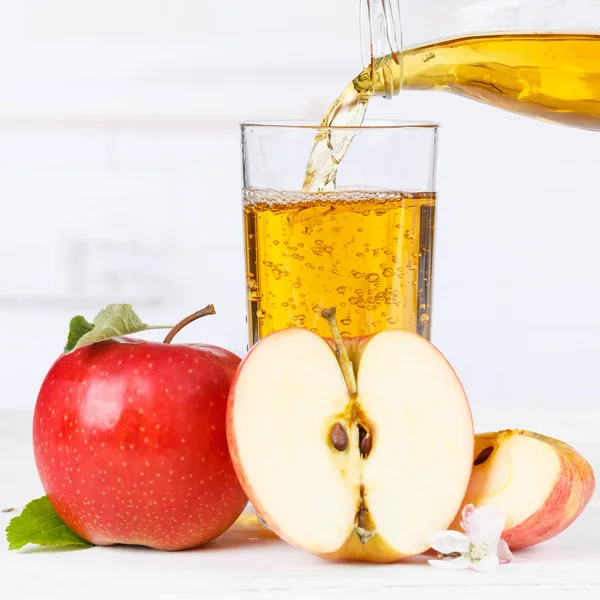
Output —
(247, 562)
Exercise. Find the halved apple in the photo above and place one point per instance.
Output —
(540, 483)
(359, 462)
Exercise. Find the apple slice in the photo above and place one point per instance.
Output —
(351, 468)
(541, 484)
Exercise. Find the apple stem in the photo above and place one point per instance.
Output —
(207, 310)
(329, 314)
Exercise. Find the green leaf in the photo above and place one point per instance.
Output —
(112, 321)
(78, 327)
(39, 524)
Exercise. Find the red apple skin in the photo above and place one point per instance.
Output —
(572, 492)
(130, 443)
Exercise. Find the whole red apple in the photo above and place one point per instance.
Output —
(130, 443)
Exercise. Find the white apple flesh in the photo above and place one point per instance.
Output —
(365, 476)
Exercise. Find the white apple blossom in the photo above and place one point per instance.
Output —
(480, 548)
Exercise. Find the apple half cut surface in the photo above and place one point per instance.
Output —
(541, 484)
(361, 462)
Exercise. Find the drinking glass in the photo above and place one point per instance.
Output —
(365, 248)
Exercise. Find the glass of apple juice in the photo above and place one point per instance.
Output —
(354, 229)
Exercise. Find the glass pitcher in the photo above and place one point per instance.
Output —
(539, 58)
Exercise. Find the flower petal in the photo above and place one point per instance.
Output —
(485, 525)
(466, 515)
(448, 542)
(485, 565)
(503, 552)
(450, 565)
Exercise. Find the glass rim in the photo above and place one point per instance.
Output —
(367, 125)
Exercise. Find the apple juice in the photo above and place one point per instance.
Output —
(367, 253)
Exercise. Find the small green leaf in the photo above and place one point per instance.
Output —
(120, 316)
(39, 524)
(112, 321)
(78, 327)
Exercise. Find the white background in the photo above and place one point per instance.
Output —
(120, 177)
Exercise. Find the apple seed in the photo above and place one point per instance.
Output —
(339, 437)
(365, 441)
(483, 456)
